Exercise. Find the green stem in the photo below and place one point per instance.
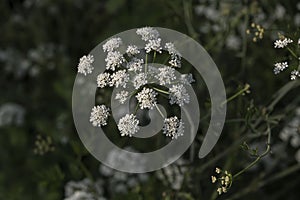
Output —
(146, 62)
(247, 86)
(162, 91)
(161, 114)
(292, 52)
(268, 149)
(154, 56)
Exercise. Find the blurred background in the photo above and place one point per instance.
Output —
(41, 155)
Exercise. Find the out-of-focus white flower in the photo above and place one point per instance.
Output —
(153, 45)
(178, 95)
(119, 78)
(84, 189)
(135, 65)
(165, 75)
(140, 80)
(132, 50)
(103, 79)
(99, 115)
(281, 43)
(113, 60)
(279, 67)
(295, 74)
(186, 78)
(173, 127)
(128, 125)
(233, 42)
(122, 96)
(173, 174)
(112, 44)
(147, 98)
(11, 113)
(85, 64)
(148, 33)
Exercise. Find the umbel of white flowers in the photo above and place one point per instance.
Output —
(282, 43)
(132, 70)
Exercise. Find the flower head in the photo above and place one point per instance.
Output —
(85, 64)
(279, 67)
(112, 44)
(140, 80)
(283, 42)
(148, 33)
(178, 95)
(146, 98)
(135, 65)
(153, 45)
(119, 78)
(165, 75)
(295, 74)
(122, 96)
(99, 115)
(128, 125)
(187, 78)
(173, 127)
(103, 79)
(114, 59)
(132, 50)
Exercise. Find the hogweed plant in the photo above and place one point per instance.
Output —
(133, 69)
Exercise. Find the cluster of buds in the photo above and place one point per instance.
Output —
(257, 31)
(224, 179)
(43, 145)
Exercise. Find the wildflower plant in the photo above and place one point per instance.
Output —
(150, 82)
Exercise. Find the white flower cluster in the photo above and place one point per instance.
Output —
(175, 55)
(178, 95)
(147, 98)
(99, 115)
(128, 125)
(279, 67)
(291, 133)
(295, 74)
(84, 189)
(85, 64)
(128, 70)
(165, 75)
(173, 127)
(281, 43)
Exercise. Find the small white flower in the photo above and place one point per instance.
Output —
(112, 44)
(175, 61)
(281, 43)
(132, 50)
(165, 75)
(295, 74)
(171, 49)
(173, 127)
(279, 67)
(135, 65)
(119, 78)
(140, 80)
(153, 45)
(85, 64)
(99, 115)
(187, 78)
(103, 79)
(148, 33)
(299, 41)
(147, 98)
(114, 59)
(179, 95)
(122, 96)
(128, 125)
